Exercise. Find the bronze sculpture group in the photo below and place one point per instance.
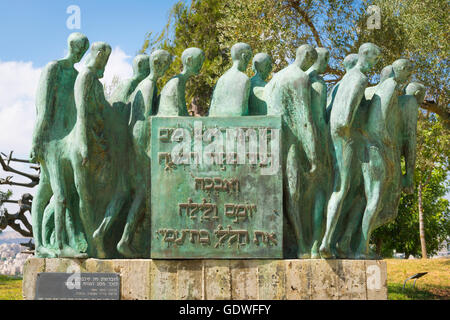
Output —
(341, 148)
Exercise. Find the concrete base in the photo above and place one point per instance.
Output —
(229, 279)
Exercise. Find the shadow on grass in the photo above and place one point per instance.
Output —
(396, 292)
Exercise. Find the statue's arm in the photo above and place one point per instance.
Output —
(44, 107)
(356, 95)
(83, 96)
(308, 131)
(247, 87)
(149, 95)
(386, 96)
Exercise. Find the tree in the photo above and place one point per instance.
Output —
(409, 29)
(270, 26)
(418, 31)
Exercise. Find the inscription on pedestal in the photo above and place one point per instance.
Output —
(77, 286)
(216, 187)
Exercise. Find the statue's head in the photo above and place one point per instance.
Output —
(141, 66)
(386, 73)
(78, 44)
(242, 54)
(350, 61)
(323, 55)
(306, 55)
(402, 70)
(417, 90)
(193, 59)
(262, 64)
(98, 58)
(160, 61)
(368, 56)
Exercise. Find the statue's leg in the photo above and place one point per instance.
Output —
(318, 214)
(292, 206)
(60, 190)
(112, 212)
(344, 156)
(41, 199)
(48, 225)
(375, 178)
(85, 201)
(134, 215)
(353, 222)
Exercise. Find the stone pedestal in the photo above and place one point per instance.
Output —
(229, 279)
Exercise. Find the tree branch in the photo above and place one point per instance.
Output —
(7, 219)
(7, 168)
(432, 106)
(295, 4)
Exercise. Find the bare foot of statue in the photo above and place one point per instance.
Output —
(325, 252)
(126, 249)
(68, 252)
(43, 252)
(98, 241)
(301, 254)
(315, 251)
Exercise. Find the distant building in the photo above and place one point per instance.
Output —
(11, 259)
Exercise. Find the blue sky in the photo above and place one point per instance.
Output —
(36, 30)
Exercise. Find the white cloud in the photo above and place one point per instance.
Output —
(18, 83)
(119, 65)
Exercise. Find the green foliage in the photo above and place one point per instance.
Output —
(5, 195)
(418, 31)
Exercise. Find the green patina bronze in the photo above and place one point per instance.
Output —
(319, 183)
(282, 169)
(262, 65)
(143, 105)
(173, 97)
(232, 91)
(56, 117)
(216, 191)
(288, 94)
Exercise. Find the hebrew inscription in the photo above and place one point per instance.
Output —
(217, 189)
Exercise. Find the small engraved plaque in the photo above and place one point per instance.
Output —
(77, 286)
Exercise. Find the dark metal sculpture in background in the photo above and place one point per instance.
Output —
(17, 221)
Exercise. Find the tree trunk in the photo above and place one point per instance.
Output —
(378, 244)
(421, 223)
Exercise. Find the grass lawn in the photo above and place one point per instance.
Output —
(10, 288)
(434, 285)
